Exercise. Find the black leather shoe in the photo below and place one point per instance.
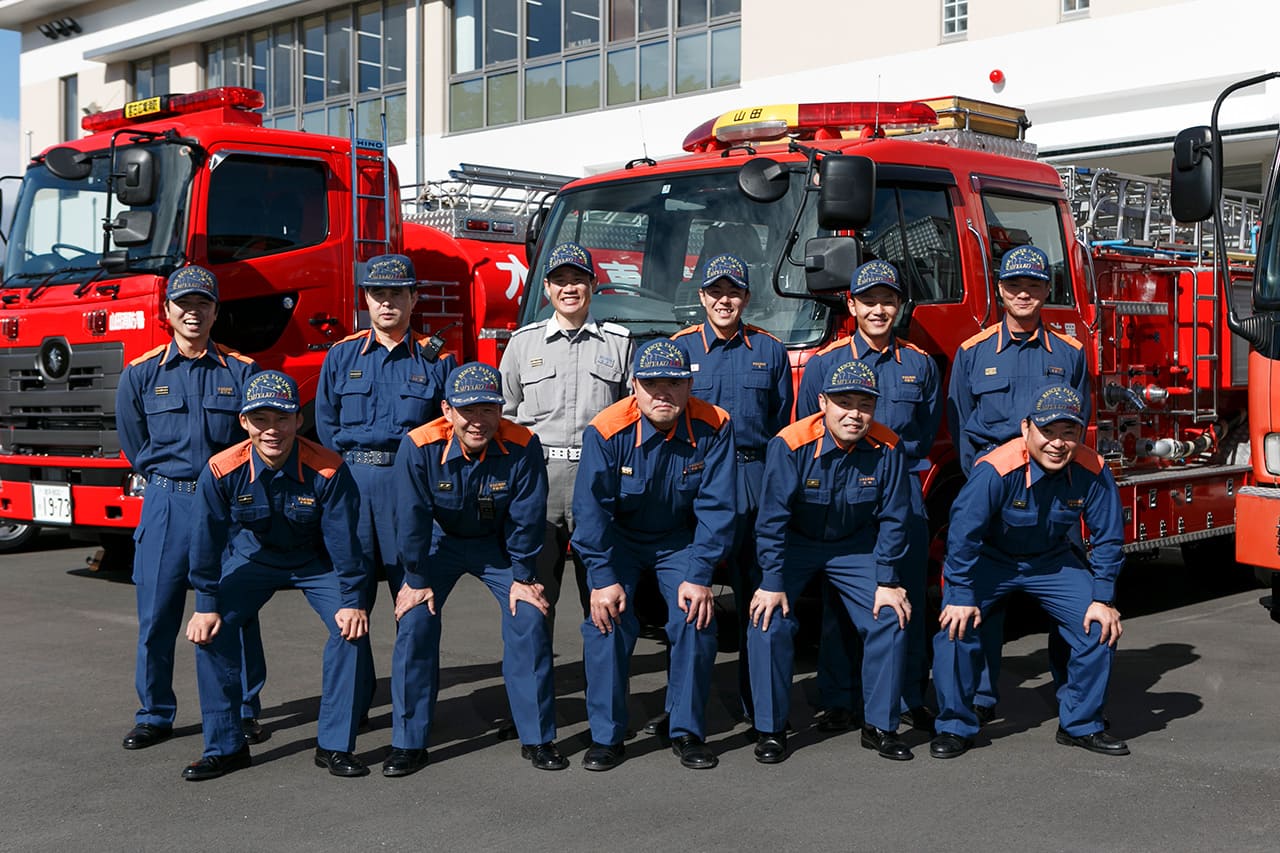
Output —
(213, 766)
(659, 725)
(834, 720)
(253, 730)
(340, 763)
(947, 745)
(694, 753)
(919, 718)
(403, 762)
(986, 713)
(771, 748)
(544, 756)
(144, 735)
(603, 756)
(1099, 742)
(888, 744)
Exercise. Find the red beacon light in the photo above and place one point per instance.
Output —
(807, 121)
(234, 97)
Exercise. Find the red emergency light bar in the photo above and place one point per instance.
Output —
(806, 121)
(236, 97)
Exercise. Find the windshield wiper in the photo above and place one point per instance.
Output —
(46, 282)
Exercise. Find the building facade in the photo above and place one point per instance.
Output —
(576, 86)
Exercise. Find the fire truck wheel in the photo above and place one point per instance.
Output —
(15, 535)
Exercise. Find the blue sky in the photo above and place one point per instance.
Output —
(10, 147)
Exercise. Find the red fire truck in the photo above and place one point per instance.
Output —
(284, 219)
(1198, 196)
(943, 188)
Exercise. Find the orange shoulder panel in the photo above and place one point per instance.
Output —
(230, 459)
(804, 431)
(514, 433)
(881, 433)
(911, 346)
(1089, 459)
(708, 413)
(320, 459)
(835, 345)
(149, 354)
(438, 430)
(1067, 339)
(230, 353)
(981, 336)
(761, 331)
(353, 337)
(688, 330)
(617, 417)
(1008, 457)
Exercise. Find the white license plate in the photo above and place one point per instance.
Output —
(51, 503)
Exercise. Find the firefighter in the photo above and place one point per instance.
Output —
(996, 374)
(835, 501)
(744, 370)
(1011, 529)
(176, 407)
(558, 374)
(276, 512)
(472, 491)
(910, 405)
(655, 492)
(374, 387)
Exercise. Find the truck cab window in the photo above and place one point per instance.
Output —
(265, 206)
(1017, 221)
(914, 229)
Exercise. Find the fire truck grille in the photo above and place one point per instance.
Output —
(49, 407)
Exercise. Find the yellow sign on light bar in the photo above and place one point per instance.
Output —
(757, 123)
(807, 121)
(150, 106)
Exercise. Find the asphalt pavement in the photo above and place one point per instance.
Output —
(1195, 691)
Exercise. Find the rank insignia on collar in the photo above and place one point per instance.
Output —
(1019, 504)
(162, 390)
(244, 499)
(444, 486)
(226, 390)
(813, 484)
(990, 371)
(626, 471)
(355, 374)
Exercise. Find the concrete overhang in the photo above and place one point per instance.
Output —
(15, 13)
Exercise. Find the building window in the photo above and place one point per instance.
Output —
(314, 70)
(955, 18)
(70, 94)
(521, 60)
(1071, 8)
(151, 76)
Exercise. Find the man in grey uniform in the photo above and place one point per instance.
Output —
(558, 374)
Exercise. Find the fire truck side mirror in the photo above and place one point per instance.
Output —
(1192, 177)
(68, 163)
(829, 263)
(846, 192)
(132, 228)
(533, 231)
(135, 175)
(763, 180)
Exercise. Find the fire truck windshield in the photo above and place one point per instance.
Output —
(1266, 294)
(57, 224)
(651, 239)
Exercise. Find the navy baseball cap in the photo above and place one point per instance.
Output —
(472, 383)
(191, 279)
(270, 389)
(1025, 262)
(661, 359)
(874, 274)
(389, 271)
(570, 255)
(726, 266)
(852, 376)
(1057, 403)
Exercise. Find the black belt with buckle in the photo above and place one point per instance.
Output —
(183, 487)
(370, 457)
(750, 454)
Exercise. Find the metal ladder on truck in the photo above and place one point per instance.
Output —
(1133, 214)
(481, 202)
(362, 244)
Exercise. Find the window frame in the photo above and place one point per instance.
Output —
(955, 12)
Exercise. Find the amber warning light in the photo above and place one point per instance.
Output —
(807, 121)
(168, 105)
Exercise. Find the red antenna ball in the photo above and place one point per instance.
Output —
(996, 76)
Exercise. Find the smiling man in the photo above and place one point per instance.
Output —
(1011, 529)
(655, 492)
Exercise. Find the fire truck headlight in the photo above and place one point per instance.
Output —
(1271, 453)
(135, 485)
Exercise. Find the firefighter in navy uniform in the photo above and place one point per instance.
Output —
(835, 501)
(176, 407)
(276, 512)
(996, 375)
(472, 491)
(374, 387)
(655, 492)
(1011, 529)
(910, 405)
(745, 371)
